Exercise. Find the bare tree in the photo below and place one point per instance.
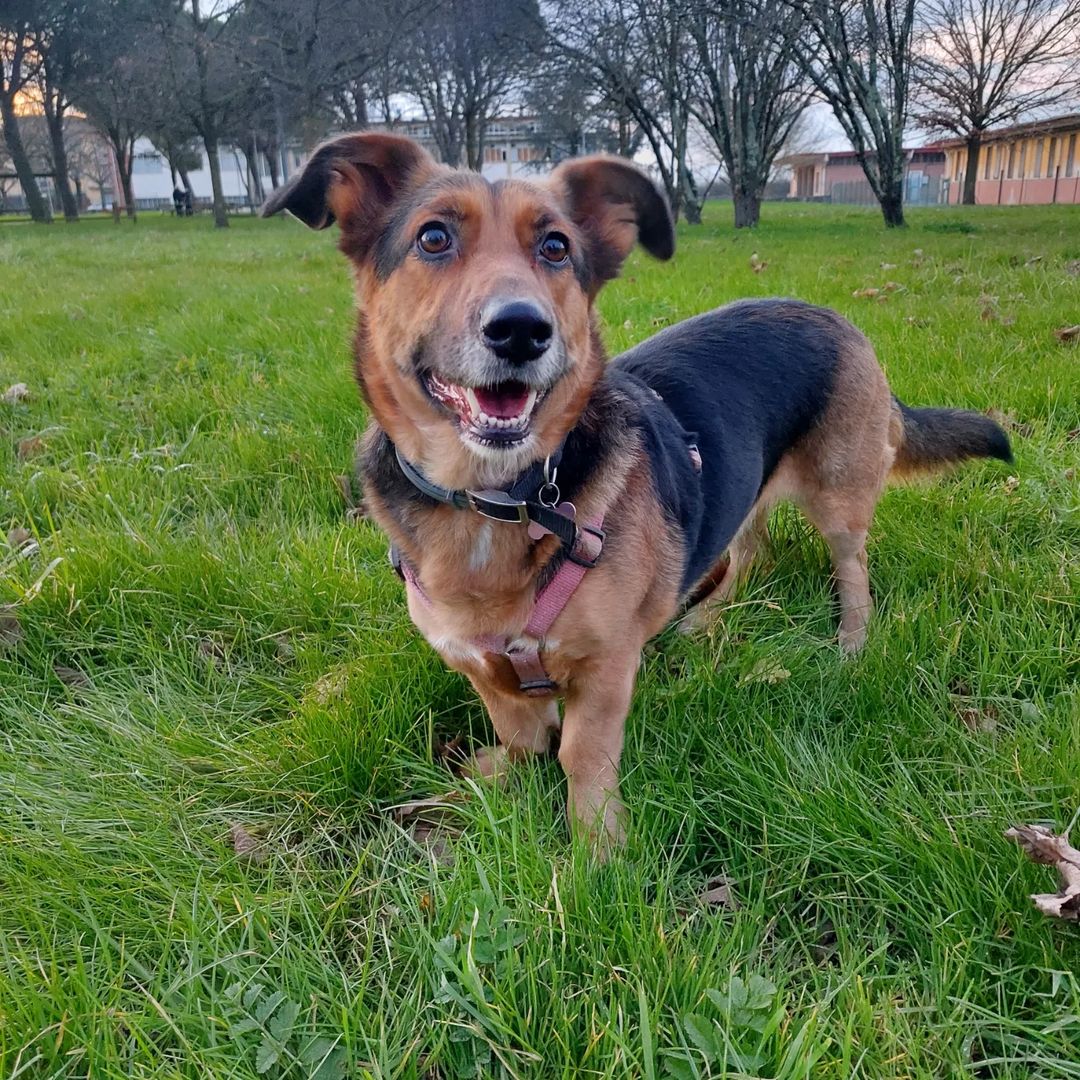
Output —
(640, 56)
(750, 90)
(461, 63)
(19, 63)
(989, 62)
(858, 53)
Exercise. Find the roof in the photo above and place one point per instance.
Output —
(1068, 122)
(841, 157)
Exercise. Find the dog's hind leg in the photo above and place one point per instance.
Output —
(524, 727)
(749, 540)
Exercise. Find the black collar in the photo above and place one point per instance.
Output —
(533, 497)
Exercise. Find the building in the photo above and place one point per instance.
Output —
(513, 145)
(1038, 162)
(838, 177)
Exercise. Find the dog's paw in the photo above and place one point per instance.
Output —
(851, 641)
(489, 762)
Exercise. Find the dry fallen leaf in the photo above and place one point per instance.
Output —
(1034, 260)
(1068, 333)
(888, 266)
(211, 650)
(978, 718)
(19, 536)
(865, 294)
(1073, 435)
(246, 845)
(11, 631)
(1073, 268)
(433, 810)
(719, 892)
(73, 677)
(914, 320)
(765, 670)
(29, 447)
(756, 263)
(15, 393)
(1043, 846)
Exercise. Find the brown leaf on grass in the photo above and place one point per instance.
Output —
(246, 845)
(19, 537)
(16, 393)
(1045, 847)
(1072, 268)
(892, 286)
(866, 294)
(765, 670)
(1034, 260)
(1011, 484)
(433, 810)
(355, 507)
(73, 677)
(210, 650)
(451, 750)
(757, 264)
(1073, 435)
(888, 266)
(719, 892)
(11, 631)
(981, 718)
(915, 320)
(1066, 334)
(30, 447)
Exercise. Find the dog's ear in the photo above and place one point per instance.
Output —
(352, 180)
(614, 204)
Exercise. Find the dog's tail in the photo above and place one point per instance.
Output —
(935, 438)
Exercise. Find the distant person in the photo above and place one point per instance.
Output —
(189, 207)
(178, 200)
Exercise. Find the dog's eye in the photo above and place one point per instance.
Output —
(555, 248)
(433, 238)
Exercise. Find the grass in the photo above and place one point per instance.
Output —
(200, 642)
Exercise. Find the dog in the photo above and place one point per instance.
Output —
(549, 511)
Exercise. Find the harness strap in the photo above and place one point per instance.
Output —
(524, 652)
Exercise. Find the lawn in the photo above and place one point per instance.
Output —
(211, 697)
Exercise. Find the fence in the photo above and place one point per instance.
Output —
(919, 190)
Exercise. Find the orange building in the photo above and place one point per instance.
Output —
(1037, 162)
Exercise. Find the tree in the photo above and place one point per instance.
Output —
(461, 63)
(750, 90)
(61, 31)
(639, 55)
(19, 63)
(990, 62)
(858, 54)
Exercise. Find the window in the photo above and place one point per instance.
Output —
(1012, 161)
(1037, 170)
(1070, 161)
(988, 153)
(147, 163)
(1051, 157)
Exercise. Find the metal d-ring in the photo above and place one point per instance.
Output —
(549, 494)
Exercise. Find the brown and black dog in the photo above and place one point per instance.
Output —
(508, 462)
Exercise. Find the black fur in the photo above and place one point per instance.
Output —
(746, 381)
(939, 436)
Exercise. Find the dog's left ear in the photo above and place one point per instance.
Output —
(353, 180)
(614, 204)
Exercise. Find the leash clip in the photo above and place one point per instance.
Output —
(549, 493)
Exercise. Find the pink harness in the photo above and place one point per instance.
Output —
(524, 652)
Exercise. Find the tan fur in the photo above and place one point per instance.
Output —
(835, 475)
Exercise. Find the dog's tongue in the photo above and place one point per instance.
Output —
(504, 401)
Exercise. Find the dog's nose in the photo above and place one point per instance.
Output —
(518, 332)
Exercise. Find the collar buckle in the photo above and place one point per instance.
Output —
(498, 506)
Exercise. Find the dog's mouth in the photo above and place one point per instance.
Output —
(498, 415)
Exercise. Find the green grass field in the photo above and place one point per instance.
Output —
(211, 695)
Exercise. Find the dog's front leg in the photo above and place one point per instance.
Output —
(596, 706)
(524, 726)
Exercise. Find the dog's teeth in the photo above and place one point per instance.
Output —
(530, 401)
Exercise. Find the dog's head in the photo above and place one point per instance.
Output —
(476, 348)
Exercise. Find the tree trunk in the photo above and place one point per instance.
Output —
(39, 208)
(129, 193)
(54, 119)
(221, 215)
(971, 169)
(892, 208)
(185, 179)
(272, 162)
(747, 208)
